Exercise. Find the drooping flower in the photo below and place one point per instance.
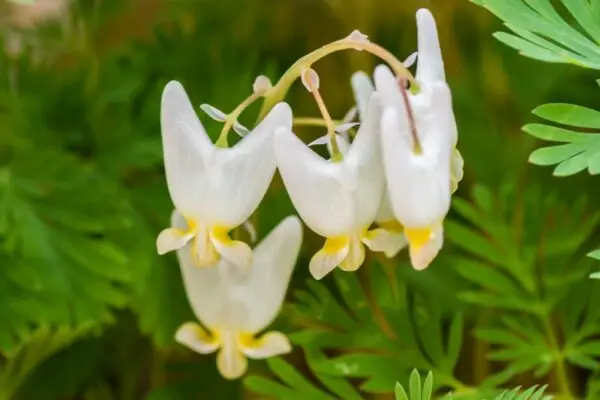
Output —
(336, 199)
(234, 306)
(390, 232)
(419, 137)
(215, 189)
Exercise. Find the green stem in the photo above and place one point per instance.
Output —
(277, 93)
(308, 121)
(233, 116)
(560, 369)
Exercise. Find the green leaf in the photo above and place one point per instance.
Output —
(414, 385)
(569, 114)
(32, 351)
(543, 34)
(428, 387)
(60, 221)
(554, 134)
(400, 392)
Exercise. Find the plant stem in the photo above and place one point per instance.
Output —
(308, 121)
(232, 118)
(277, 93)
(560, 368)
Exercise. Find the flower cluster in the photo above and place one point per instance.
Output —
(386, 186)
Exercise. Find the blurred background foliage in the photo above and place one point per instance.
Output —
(87, 308)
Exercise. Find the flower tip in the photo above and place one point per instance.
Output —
(424, 13)
(173, 86)
(261, 85)
(310, 79)
(285, 113)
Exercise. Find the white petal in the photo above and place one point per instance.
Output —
(329, 257)
(434, 115)
(241, 175)
(350, 115)
(355, 257)
(363, 88)
(204, 288)
(193, 336)
(268, 345)
(387, 86)
(259, 294)
(172, 239)
(231, 362)
(343, 143)
(421, 257)
(213, 112)
(249, 227)
(185, 147)
(385, 212)
(320, 190)
(390, 243)
(364, 159)
(418, 184)
(431, 65)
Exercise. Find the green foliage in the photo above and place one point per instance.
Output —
(533, 275)
(39, 346)
(425, 392)
(409, 330)
(580, 151)
(416, 391)
(88, 310)
(542, 33)
(533, 393)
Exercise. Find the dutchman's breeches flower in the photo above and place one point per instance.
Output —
(216, 189)
(337, 199)
(235, 305)
(418, 140)
(390, 232)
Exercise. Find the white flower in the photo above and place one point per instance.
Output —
(336, 199)
(235, 306)
(391, 239)
(418, 172)
(215, 189)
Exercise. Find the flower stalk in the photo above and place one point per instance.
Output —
(277, 93)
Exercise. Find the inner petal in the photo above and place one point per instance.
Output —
(196, 338)
(231, 362)
(356, 254)
(203, 251)
(334, 251)
(392, 226)
(418, 237)
(268, 345)
(390, 242)
(172, 239)
(235, 251)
